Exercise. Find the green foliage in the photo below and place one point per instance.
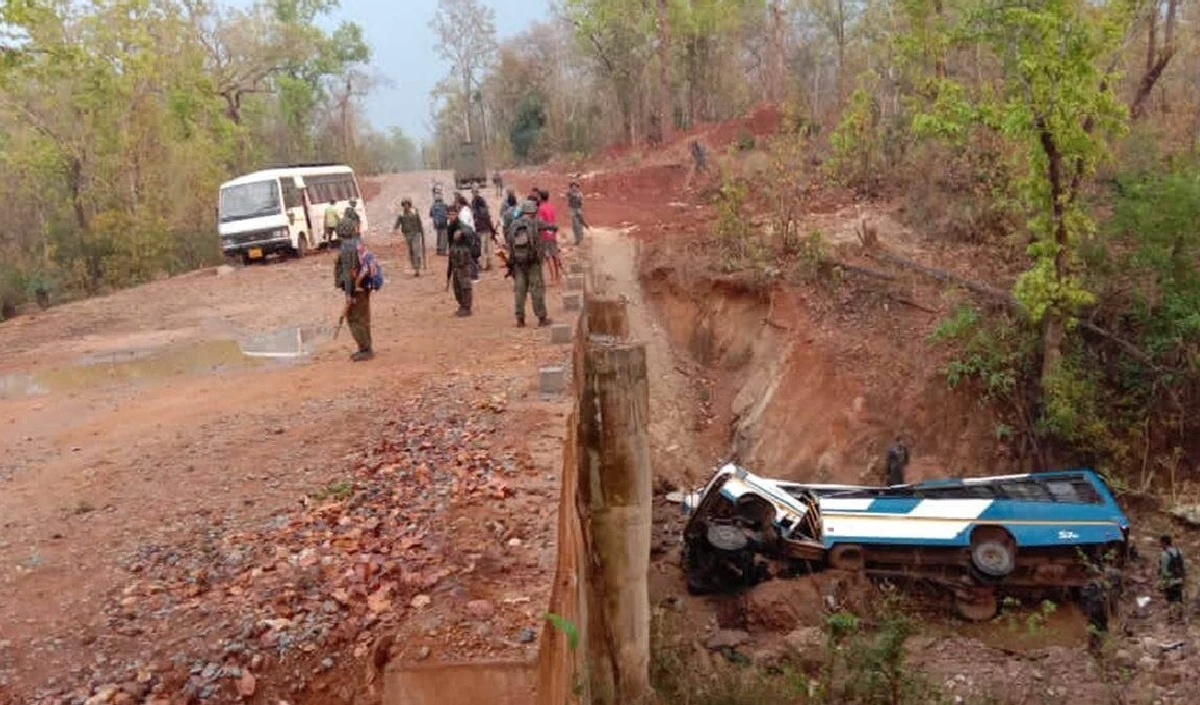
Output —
(120, 118)
(567, 627)
(993, 353)
(527, 125)
(857, 139)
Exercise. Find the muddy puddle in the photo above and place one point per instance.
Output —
(147, 366)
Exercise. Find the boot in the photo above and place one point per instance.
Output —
(362, 356)
(463, 312)
(544, 321)
(520, 321)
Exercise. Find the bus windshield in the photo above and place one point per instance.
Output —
(252, 200)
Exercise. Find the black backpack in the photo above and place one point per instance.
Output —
(524, 241)
(1175, 563)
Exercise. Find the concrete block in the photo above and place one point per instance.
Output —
(552, 379)
(573, 301)
(575, 268)
(575, 282)
(560, 333)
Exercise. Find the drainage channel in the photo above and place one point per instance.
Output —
(125, 367)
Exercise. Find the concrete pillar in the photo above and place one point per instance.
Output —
(614, 494)
(552, 379)
(560, 333)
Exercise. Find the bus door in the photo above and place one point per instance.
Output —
(297, 213)
(306, 205)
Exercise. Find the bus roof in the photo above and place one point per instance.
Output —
(265, 174)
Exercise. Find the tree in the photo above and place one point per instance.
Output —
(466, 38)
(1053, 102)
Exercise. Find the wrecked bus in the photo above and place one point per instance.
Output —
(973, 536)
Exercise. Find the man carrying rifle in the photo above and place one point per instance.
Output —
(524, 256)
(350, 276)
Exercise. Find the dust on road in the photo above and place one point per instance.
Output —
(137, 419)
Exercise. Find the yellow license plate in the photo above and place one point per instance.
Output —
(256, 253)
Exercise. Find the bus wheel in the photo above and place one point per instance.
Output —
(993, 552)
(977, 604)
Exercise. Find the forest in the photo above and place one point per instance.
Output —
(1057, 137)
(120, 118)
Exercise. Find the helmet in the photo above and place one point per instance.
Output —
(529, 207)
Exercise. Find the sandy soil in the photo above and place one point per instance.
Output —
(133, 421)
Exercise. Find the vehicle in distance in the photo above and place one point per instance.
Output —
(972, 536)
(283, 210)
(469, 166)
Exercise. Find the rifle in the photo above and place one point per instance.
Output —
(342, 318)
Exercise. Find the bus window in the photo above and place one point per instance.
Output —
(1028, 491)
(291, 195)
(1073, 491)
(252, 200)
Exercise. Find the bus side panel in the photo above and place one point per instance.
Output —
(1063, 534)
(362, 203)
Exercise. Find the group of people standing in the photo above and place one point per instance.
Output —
(466, 235)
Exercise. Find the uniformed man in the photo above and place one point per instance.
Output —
(351, 214)
(408, 222)
(897, 460)
(524, 255)
(1171, 572)
(439, 215)
(482, 220)
(349, 276)
(458, 264)
(575, 203)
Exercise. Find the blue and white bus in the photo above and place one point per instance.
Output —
(1047, 529)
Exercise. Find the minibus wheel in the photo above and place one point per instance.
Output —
(993, 551)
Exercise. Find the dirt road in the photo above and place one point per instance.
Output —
(140, 437)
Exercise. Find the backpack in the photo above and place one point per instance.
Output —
(473, 242)
(460, 253)
(346, 228)
(438, 214)
(524, 242)
(368, 262)
(1175, 563)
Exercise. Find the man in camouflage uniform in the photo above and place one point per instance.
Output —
(439, 216)
(351, 214)
(897, 461)
(523, 247)
(458, 264)
(575, 203)
(348, 277)
(409, 225)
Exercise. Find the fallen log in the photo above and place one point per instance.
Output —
(1010, 301)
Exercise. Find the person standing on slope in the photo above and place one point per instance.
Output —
(575, 203)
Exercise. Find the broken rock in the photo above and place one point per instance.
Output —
(481, 609)
(727, 639)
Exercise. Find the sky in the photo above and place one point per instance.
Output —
(402, 51)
